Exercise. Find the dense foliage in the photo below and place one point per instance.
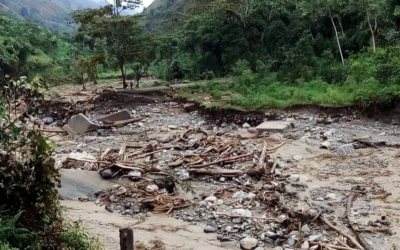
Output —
(286, 52)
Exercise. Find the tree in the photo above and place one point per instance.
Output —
(376, 11)
(140, 62)
(107, 23)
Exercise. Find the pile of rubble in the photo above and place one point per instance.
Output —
(226, 178)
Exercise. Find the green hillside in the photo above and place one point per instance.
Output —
(165, 15)
(53, 14)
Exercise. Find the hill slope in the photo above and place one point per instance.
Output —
(53, 14)
(165, 15)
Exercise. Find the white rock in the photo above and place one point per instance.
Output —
(248, 243)
(251, 196)
(246, 125)
(211, 199)
(228, 229)
(298, 157)
(276, 137)
(172, 127)
(325, 144)
(220, 202)
(330, 196)
(140, 124)
(239, 195)
(294, 177)
(151, 188)
(330, 132)
(305, 245)
(241, 212)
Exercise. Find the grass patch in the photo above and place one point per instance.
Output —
(261, 92)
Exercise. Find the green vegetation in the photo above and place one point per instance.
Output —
(30, 214)
(280, 53)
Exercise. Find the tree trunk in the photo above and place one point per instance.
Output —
(373, 41)
(137, 82)
(122, 67)
(337, 39)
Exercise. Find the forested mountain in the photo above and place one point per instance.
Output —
(165, 15)
(53, 14)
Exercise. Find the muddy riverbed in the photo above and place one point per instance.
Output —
(319, 160)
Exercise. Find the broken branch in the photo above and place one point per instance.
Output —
(219, 161)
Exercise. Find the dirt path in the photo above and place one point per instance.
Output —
(174, 234)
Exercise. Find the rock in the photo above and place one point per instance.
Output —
(251, 196)
(259, 248)
(330, 132)
(294, 177)
(120, 191)
(313, 238)
(135, 175)
(48, 120)
(305, 245)
(277, 126)
(185, 81)
(292, 240)
(189, 107)
(246, 125)
(140, 124)
(220, 202)
(209, 229)
(151, 188)
(239, 195)
(325, 209)
(276, 137)
(112, 198)
(325, 145)
(241, 212)
(305, 229)
(244, 133)
(330, 196)
(298, 157)
(119, 116)
(253, 130)
(229, 244)
(237, 220)
(345, 149)
(107, 173)
(81, 124)
(228, 229)
(172, 127)
(248, 243)
(211, 199)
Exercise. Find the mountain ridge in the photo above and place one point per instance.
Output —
(52, 14)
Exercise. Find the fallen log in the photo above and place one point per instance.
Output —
(219, 161)
(340, 231)
(259, 169)
(215, 171)
(122, 122)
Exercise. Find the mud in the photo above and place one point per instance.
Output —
(316, 174)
